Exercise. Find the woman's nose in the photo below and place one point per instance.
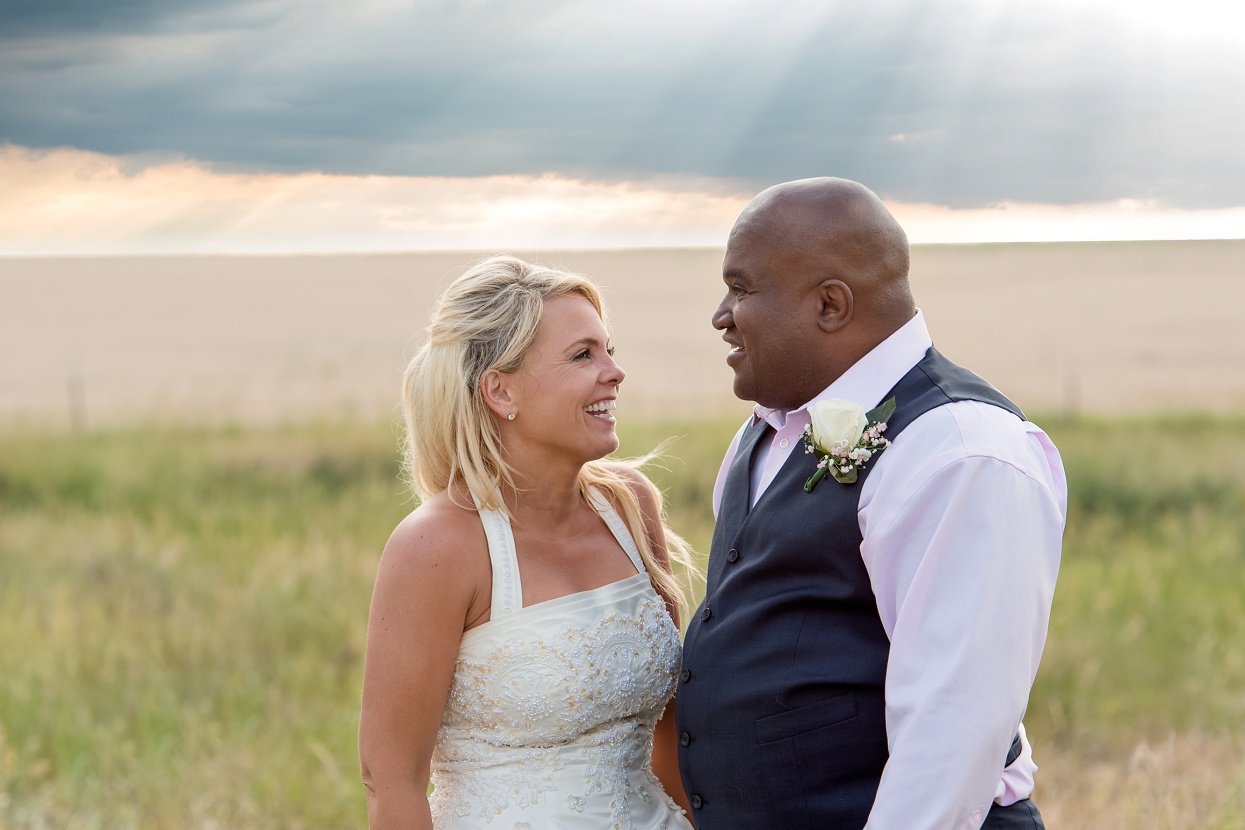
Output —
(616, 374)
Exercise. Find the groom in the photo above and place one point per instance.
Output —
(864, 652)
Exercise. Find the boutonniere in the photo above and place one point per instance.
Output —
(844, 437)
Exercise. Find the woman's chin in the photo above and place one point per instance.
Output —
(606, 447)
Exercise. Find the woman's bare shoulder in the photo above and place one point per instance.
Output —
(644, 489)
(438, 539)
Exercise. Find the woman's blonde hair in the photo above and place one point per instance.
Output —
(488, 319)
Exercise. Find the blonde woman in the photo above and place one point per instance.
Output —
(523, 640)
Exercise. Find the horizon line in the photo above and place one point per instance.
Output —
(363, 252)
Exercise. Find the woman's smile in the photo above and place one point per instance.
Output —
(602, 410)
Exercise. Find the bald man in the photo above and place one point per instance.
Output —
(865, 649)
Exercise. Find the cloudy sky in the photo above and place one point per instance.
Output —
(285, 125)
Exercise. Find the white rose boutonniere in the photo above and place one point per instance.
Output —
(844, 437)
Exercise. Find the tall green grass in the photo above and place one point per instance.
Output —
(182, 610)
(1148, 627)
(181, 634)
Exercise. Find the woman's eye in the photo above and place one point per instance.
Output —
(610, 351)
(581, 355)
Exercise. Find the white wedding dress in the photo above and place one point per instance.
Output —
(549, 720)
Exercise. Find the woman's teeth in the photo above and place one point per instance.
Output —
(602, 409)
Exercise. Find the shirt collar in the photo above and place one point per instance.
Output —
(872, 376)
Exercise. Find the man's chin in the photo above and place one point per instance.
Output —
(744, 389)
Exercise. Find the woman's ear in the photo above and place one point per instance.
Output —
(497, 392)
(835, 305)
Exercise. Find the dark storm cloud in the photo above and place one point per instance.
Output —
(951, 101)
(36, 18)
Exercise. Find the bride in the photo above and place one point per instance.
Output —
(523, 640)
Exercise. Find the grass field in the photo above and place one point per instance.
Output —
(182, 617)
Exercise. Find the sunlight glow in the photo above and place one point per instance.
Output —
(72, 202)
(1188, 20)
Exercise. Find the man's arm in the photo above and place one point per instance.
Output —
(963, 549)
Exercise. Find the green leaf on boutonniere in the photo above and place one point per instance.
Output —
(844, 478)
(882, 414)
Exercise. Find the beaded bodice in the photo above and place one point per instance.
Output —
(550, 715)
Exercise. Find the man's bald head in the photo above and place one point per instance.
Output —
(839, 229)
(817, 276)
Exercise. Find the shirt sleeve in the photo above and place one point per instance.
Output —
(962, 548)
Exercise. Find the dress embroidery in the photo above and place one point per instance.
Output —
(589, 696)
(550, 715)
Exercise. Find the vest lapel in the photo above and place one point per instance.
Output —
(736, 496)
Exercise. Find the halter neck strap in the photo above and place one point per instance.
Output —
(507, 587)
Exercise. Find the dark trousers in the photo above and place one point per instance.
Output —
(1023, 815)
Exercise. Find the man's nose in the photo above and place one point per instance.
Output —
(721, 318)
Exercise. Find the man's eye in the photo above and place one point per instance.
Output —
(581, 355)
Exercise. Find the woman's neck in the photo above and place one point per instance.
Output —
(550, 493)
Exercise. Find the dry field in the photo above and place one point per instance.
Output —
(182, 621)
(182, 604)
(1094, 327)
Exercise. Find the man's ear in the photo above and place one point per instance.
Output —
(835, 305)
(497, 392)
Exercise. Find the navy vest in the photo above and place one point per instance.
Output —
(780, 706)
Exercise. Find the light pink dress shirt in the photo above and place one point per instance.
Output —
(962, 519)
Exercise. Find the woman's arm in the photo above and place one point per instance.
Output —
(425, 590)
(666, 759)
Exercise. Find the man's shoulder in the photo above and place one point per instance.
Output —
(973, 429)
(950, 444)
(949, 381)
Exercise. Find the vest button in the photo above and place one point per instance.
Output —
(697, 802)
(685, 739)
(733, 556)
(686, 675)
(784, 443)
(706, 614)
